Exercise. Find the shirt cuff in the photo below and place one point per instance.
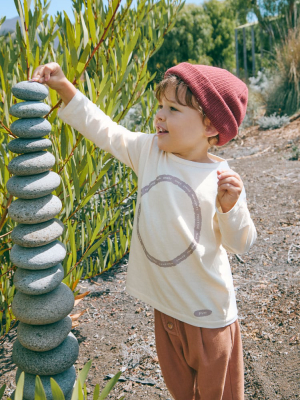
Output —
(66, 110)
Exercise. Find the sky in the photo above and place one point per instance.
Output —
(8, 9)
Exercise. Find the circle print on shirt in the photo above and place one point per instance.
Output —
(185, 190)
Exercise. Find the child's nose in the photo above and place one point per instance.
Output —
(160, 115)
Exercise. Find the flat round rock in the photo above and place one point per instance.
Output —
(37, 234)
(44, 337)
(30, 128)
(47, 362)
(21, 146)
(40, 281)
(33, 186)
(44, 308)
(35, 211)
(27, 90)
(32, 163)
(29, 109)
(65, 381)
(38, 258)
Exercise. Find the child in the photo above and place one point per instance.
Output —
(191, 208)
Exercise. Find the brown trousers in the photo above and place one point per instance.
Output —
(200, 363)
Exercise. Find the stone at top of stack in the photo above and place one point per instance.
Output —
(42, 303)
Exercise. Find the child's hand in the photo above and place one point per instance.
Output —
(230, 187)
(53, 76)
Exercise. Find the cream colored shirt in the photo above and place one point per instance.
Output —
(178, 262)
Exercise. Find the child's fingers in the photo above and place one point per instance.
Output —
(37, 73)
(231, 180)
(43, 73)
(227, 173)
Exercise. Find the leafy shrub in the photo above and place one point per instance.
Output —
(274, 121)
(105, 53)
(79, 390)
(284, 94)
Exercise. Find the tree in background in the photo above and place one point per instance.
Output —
(201, 35)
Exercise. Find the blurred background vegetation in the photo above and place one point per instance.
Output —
(115, 52)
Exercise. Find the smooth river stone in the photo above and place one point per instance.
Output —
(32, 163)
(30, 128)
(40, 281)
(44, 337)
(27, 90)
(35, 211)
(29, 109)
(65, 380)
(20, 146)
(44, 308)
(38, 258)
(48, 362)
(33, 186)
(37, 234)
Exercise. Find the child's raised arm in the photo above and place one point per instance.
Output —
(53, 76)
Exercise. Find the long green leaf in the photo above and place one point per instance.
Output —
(109, 386)
(39, 390)
(2, 390)
(20, 387)
(56, 390)
(84, 372)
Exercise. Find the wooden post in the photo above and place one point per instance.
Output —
(245, 53)
(237, 54)
(253, 50)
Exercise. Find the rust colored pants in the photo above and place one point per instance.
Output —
(200, 363)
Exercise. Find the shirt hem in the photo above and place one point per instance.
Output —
(180, 317)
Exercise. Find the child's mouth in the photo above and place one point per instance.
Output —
(161, 132)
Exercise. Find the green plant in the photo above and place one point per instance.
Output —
(274, 121)
(295, 153)
(105, 54)
(284, 94)
(79, 390)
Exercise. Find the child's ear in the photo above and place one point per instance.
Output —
(210, 130)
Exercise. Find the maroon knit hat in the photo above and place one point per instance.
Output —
(222, 96)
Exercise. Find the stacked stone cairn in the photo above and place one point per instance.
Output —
(44, 345)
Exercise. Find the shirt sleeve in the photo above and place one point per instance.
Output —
(84, 116)
(237, 229)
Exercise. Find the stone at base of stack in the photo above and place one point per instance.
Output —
(45, 346)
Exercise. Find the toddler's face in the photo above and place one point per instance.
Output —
(180, 129)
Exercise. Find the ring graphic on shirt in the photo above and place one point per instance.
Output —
(197, 227)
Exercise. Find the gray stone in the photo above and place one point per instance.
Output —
(32, 163)
(33, 186)
(47, 362)
(40, 281)
(35, 211)
(44, 337)
(27, 90)
(38, 258)
(44, 308)
(29, 109)
(37, 234)
(30, 128)
(65, 380)
(20, 146)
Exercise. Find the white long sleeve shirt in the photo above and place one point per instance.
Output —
(178, 262)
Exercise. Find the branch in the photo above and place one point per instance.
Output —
(8, 130)
(2, 221)
(91, 56)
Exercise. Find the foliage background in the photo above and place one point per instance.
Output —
(105, 54)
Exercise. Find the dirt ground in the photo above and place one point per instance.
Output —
(117, 331)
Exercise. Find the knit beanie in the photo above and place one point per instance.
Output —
(222, 96)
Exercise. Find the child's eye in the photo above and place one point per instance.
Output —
(173, 109)
(160, 106)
